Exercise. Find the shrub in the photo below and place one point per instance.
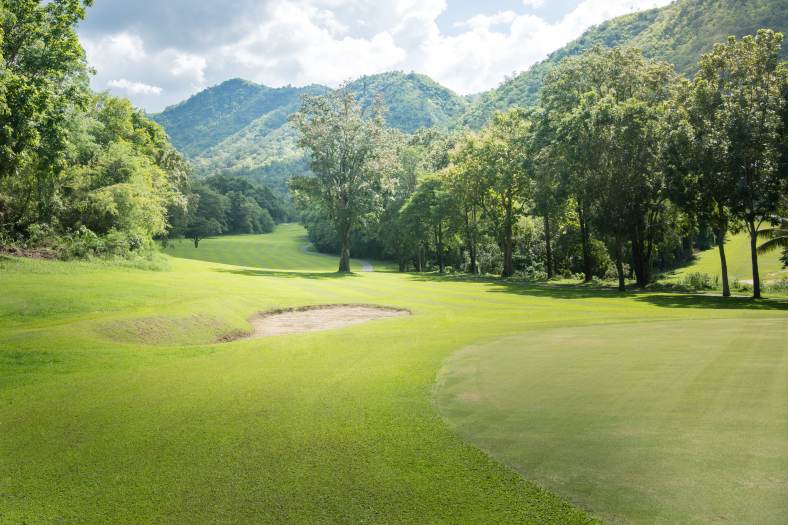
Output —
(700, 281)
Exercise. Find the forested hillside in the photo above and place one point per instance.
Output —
(678, 33)
(241, 128)
(413, 101)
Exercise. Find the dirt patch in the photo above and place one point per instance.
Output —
(316, 318)
(30, 253)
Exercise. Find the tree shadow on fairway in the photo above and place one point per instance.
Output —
(715, 302)
(657, 297)
(533, 289)
(286, 274)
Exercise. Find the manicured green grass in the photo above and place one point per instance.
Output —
(661, 422)
(117, 405)
(286, 248)
(737, 255)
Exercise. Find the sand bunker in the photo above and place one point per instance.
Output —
(317, 318)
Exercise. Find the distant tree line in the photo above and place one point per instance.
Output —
(86, 174)
(622, 165)
(228, 204)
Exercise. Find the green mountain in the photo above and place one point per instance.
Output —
(413, 101)
(241, 128)
(677, 33)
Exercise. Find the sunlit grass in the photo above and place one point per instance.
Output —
(118, 406)
(737, 255)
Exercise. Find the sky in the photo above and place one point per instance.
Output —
(160, 52)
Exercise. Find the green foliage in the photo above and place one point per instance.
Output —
(413, 101)
(42, 74)
(351, 161)
(241, 128)
(700, 281)
(678, 33)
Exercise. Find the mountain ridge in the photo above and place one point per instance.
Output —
(241, 127)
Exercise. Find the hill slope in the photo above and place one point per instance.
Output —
(413, 101)
(678, 33)
(242, 128)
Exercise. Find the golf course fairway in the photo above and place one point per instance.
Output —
(118, 405)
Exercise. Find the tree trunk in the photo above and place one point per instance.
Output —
(439, 247)
(344, 254)
(474, 264)
(620, 266)
(756, 277)
(548, 247)
(196, 242)
(640, 264)
(402, 265)
(471, 245)
(726, 291)
(508, 263)
(584, 234)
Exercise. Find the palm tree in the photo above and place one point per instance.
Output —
(775, 237)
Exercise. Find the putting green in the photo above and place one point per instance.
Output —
(664, 422)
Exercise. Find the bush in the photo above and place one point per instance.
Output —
(531, 274)
(780, 286)
(40, 235)
(700, 281)
(81, 244)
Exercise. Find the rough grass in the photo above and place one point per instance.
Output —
(337, 426)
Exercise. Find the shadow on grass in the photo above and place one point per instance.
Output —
(286, 274)
(656, 295)
(676, 300)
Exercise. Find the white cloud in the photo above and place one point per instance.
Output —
(294, 45)
(134, 88)
(533, 3)
(494, 46)
(188, 65)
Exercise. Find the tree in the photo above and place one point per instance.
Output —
(775, 237)
(606, 130)
(694, 162)
(573, 142)
(749, 84)
(549, 195)
(349, 159)
(208, 212)
(434, 208)
(42, 76)
(505, 162)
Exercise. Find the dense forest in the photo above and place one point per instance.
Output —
(622, 165)
(677, 33)
(241, 128)
(86, 174)
(616, 139)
